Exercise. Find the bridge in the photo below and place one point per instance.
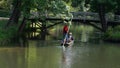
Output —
(85, 18)
(89, 18)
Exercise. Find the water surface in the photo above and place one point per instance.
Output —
(51, 55)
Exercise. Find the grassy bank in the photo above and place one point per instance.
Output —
(113, 34)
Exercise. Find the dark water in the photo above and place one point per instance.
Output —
(51, 55)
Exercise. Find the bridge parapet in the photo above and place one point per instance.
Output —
(86, 15)
(111, 17)
(95, 16)
(83, 16)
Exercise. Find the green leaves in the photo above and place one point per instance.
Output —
(53, 7)
(108, 4)
(113, 34)
(7, 33)
(76, 3)
(58, 7)
(5, 4)
(43, 7)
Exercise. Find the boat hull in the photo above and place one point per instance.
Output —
(68, 44)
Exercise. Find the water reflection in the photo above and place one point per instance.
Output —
(81, 55)
(67, 56)
(43, 57)
(12, 58)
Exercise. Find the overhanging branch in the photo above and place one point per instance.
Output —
(53, 24)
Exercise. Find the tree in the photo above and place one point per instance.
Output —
(19, 6)
(102, 7)
(43, 7)
(15, 13)
(53, 7)
(78, 4)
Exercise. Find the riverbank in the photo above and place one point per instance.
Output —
(6, 34)
(112, 35)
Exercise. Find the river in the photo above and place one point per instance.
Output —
(50, 54)
(88, 51)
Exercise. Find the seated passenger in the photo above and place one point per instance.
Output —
(68, 39)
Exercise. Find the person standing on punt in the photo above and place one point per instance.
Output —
(65, 33)
(65, 30)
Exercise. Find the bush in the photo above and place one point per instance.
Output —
(113, 34)
(4, 13)
(7, 34)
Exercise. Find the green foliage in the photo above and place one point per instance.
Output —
(59, 7)
(5, 4)
(4, 13)
(76, 3)
(55, 7)
(9, 33)
(117, 8)
(109, 5)
(43, 7)
(26, 6)
(113, 33)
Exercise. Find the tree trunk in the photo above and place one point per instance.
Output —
(15, 14)
(22, 25)
(102, 17)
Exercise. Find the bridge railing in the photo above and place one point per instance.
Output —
(86, 16)
(115, 18)
(80, 15)
(95, 16)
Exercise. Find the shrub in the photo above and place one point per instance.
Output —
(113, 34)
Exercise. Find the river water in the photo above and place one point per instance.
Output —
(39, 54)
(88, 51)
